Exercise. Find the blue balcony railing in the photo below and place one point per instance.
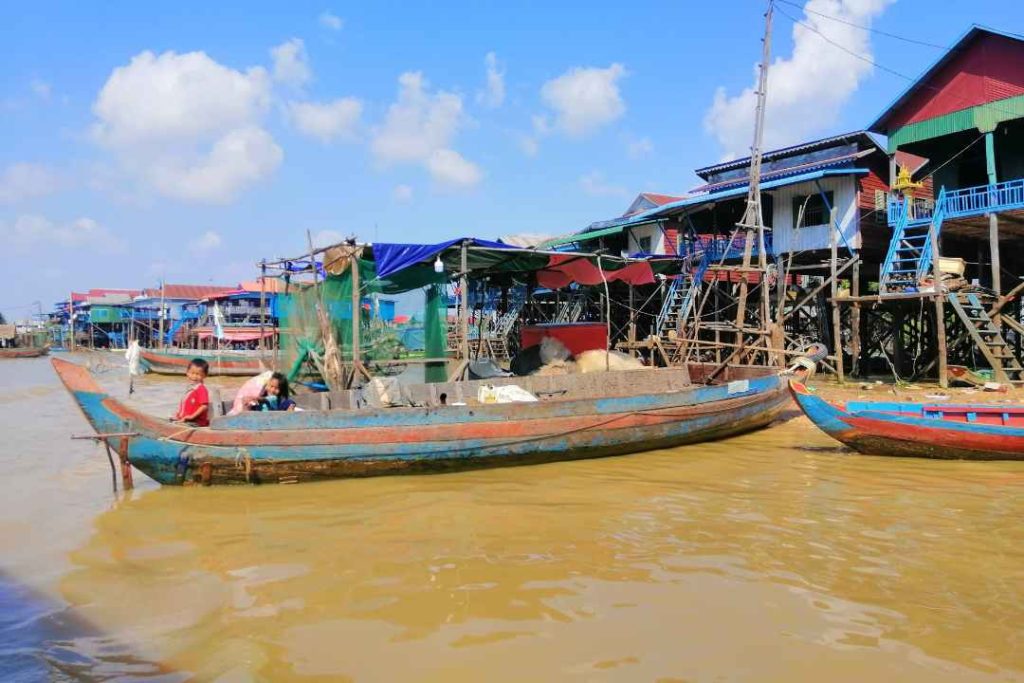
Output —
(718, 248)
(968, 201)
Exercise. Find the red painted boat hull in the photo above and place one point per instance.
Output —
(24, 353)
(946, 432)
(220, 364)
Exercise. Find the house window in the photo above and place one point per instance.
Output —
(815, 209)
(645, 245)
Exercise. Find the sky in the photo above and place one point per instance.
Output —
(186, 141)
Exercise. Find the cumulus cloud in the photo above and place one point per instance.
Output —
(420, 128)
(450, 168)
(639, 149)
(208, 242)
(330, 21)
(494, 94)
(22, 181)
(807, 89)
(402, 194)
(32, 231)
(188, 126)
(585, 99)
(596, 185)
(327, 121)
(529, 145)
(291, 65)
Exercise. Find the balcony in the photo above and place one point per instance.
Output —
(969, 201)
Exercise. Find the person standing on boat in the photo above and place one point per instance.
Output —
(275, 396)
(194, 408)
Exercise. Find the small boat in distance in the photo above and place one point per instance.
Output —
(228, 364)
(919, 430)
(439, 427)
(24, 351)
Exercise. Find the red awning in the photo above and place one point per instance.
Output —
(564, 269)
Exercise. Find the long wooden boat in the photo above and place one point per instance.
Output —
(920, 430)
(442, 428)
(228, 364)
(24, 352)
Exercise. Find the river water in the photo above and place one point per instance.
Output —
(775, 556)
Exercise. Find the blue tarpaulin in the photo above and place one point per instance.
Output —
(394, 258)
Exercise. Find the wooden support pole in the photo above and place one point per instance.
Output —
(357, 312)
(837, 332)
(464, 302)
(940, 313)
(163, 312)
(126, 465)
(855, 319)
(263, 303)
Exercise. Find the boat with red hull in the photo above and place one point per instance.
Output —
(920, 430)
(24, 352)
(439, 427)
(227, 364)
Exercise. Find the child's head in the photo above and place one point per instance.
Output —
(197, 370)
(277, 385)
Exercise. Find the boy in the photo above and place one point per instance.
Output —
(194, 408)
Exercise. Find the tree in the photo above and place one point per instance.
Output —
(2, 319)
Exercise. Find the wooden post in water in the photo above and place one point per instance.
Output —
(357, 313)
(126, 465)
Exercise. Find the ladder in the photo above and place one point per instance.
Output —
(680, 298)
(987, 337)
(910, 250)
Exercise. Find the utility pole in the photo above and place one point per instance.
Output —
(163, 313)
(753, 220)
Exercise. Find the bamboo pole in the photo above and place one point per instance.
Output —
(163, 313)
(263, 303)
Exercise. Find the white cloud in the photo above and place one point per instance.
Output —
(494, 94)
(402, 194)
(450, 168)
(585, 99)
(640, 149)
(330, 21)
(596, 185)
(22, 181)
(208, 242)
(327, 121)
(187, 126)
(291, 65)
(31, 231)
(419, 129)
(806, 90)
(241, 158)
(40, 88)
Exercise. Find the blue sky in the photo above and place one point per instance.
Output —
(187, 140)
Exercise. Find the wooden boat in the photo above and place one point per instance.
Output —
(229, 364)
(24, 352)
(920, 430)
(443, 428)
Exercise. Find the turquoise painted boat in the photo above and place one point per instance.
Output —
(439, 427)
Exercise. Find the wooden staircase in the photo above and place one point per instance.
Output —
(910, 250)
(987, 337)
(680, 300)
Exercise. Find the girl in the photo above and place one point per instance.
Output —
(275, 396)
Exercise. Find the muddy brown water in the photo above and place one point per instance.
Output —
(772, 556)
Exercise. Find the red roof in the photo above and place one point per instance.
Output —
(192, 292)
(661, 199)
(984, 66)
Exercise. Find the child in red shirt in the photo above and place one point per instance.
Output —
(194, 408)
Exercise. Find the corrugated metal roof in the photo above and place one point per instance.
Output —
(710, 198)
(861, 135)
(879, 124)
(190, 292)
(783, 172)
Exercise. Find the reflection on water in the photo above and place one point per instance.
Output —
(767, 557)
